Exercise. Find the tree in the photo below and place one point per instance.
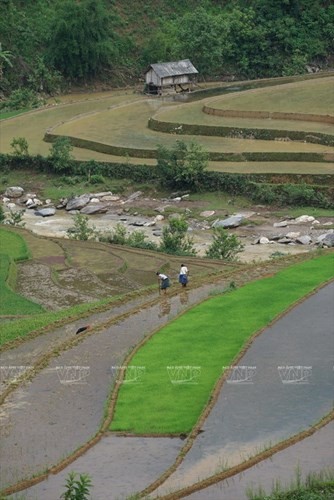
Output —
(81, 230)
(20, 146)
(182, 166)
(175, 239)
(5, 58)
(81, 39)
(225, 246)
(60, 154)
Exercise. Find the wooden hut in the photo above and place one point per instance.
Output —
(178, 75)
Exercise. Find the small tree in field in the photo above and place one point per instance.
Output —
(183, 166)
(175, 239)
(60, 154)
(20, 146)
(81, 230)
(224, 246)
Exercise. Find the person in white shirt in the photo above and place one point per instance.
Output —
(183, 275)
(164, 282)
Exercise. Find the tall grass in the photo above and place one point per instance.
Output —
(203, 340)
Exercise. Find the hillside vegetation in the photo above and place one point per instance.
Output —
(47, 45)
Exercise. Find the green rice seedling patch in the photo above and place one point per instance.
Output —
(13, 245)
(22, 327)
(184, 360)
(12, 303)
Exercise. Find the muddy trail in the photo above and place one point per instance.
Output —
(63, 404)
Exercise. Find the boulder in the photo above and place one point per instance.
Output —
(5, 200)
(323, 236)
(45, 212)
(304, 218)
(134, 196)
(110, 197)
(292, 235)
(283, 223)
(177, 199)
(158, 232)
(285, 240)
(95, 208)
(78, 202)
(14, 192)
(11, 206)
(304, 240)
(158, 218)
(101, 195)
(233, 221)
(263, 240)
(328, 241)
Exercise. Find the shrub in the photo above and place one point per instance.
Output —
(20, 146)
(77, 489)
(175, 239)
(81, 230)
(225, 246)
(60, 155)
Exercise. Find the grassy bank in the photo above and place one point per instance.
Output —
(202, 341)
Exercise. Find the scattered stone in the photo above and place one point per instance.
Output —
(304, 240)
(157, 233)
(5, 200)
(45, 212)
(37, 202)
(139, 223)
(276, 237)
(78, 202)
(11, 206)
(233, 221)
(177, 199)
(328, 223)
(150, 223)
(315, 222)
(321, 237)
(94, 200)
(158, 218)
(48, 202)
(185, 196)
(14, 192)
(207, 213)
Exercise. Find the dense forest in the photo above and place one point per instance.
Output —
(47, 45)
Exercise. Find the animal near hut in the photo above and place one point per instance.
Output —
(179, 76)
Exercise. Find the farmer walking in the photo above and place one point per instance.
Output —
(183, 275)
(163, 281)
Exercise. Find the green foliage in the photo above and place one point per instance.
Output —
(15, 218)
(182, 166)
(136, 239)
(60, 155)
(81, 42)
(175, 239)
(81, 229)
(20, 146)
(77, 489)
(225, 246)
(21, 99)
(43, 78)
(2, 214)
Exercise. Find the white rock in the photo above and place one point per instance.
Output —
(11, 206)
(292, 235)
(329, 223)
(178, 198)
(5, 199)
(37, 201)
(284, 223)
(48, 201)
(158, 218)
(94, 200)
(207, 213)
(304, 218)
(317, 222)
(263, 240)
